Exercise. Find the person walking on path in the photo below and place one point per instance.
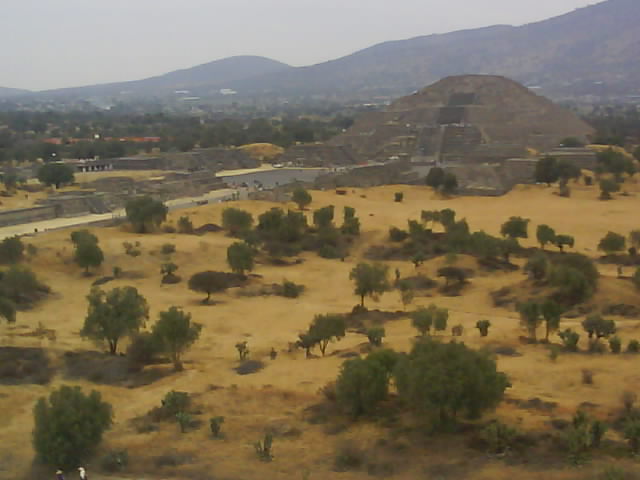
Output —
(59, 475)
(83, 474)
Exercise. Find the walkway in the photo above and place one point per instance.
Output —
(59, 223)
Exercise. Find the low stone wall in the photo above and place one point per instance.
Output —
(26, 215)
(580, 157)
(520, 170)
(369, 176)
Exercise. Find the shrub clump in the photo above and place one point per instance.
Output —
(361, 385)
(168, 249)
(20, 286)
(441, 381)
(290, 290)
(71, 415)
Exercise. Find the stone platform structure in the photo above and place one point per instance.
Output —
(471, 119)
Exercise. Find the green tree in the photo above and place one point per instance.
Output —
(430, 216)
(530, 317)
(184, 420)
(440, 318)
(573, 286)
(547, 170)
(145, 214)
(575, 276)
(407, 293)
(537, 266)
(612, 243)
(418, 259)
(10, 181)
(56, 174)
(237, 222)
(387, 358)
(569, 339)
(607, 187)
(215, 425)
(83, 236)
(210, 282)
(240, 257)
(422, 320)
(168, 269)
(615, 344)
(301, 197)
(447, 217)
(615, 162)
(20, 286)
(11, 250)
(361, 385)
(551, 313)
(69, 426)
(450, 183)
(307, 342)
(175, 333)
(562, 241)
(185, 225)
(598, 327)
(485, 245)
(277, 227)
(499, 437)
(508, 247)
(455, 274)
(515, 227)
(483, 327)
(323, 217)
(351, 223)
(88, 255)
(545, 235)
(568, 170)
(114, 315)
(327, 328)
(375, 335)
(370, 279)
(435, 177)
(442, 380)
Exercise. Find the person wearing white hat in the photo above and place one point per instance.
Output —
(83, 474)
(59, 475)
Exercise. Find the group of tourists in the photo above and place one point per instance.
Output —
(81, 471)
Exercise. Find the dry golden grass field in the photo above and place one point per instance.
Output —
(280, 394)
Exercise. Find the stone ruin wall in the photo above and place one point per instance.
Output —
(27, 215)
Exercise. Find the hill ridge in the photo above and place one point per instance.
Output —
(589, 51)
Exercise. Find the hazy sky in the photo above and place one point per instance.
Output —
(59, 43)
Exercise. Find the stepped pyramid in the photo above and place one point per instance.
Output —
(469, 118)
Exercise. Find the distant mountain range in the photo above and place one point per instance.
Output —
(206, 79)
(11, 92)
(590, 51)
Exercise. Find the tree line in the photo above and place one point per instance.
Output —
(98, 135)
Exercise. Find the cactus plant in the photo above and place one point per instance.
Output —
(215, 423)
(263, 449)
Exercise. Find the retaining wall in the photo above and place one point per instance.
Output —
(27, 215)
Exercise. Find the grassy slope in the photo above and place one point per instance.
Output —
(288, 385)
